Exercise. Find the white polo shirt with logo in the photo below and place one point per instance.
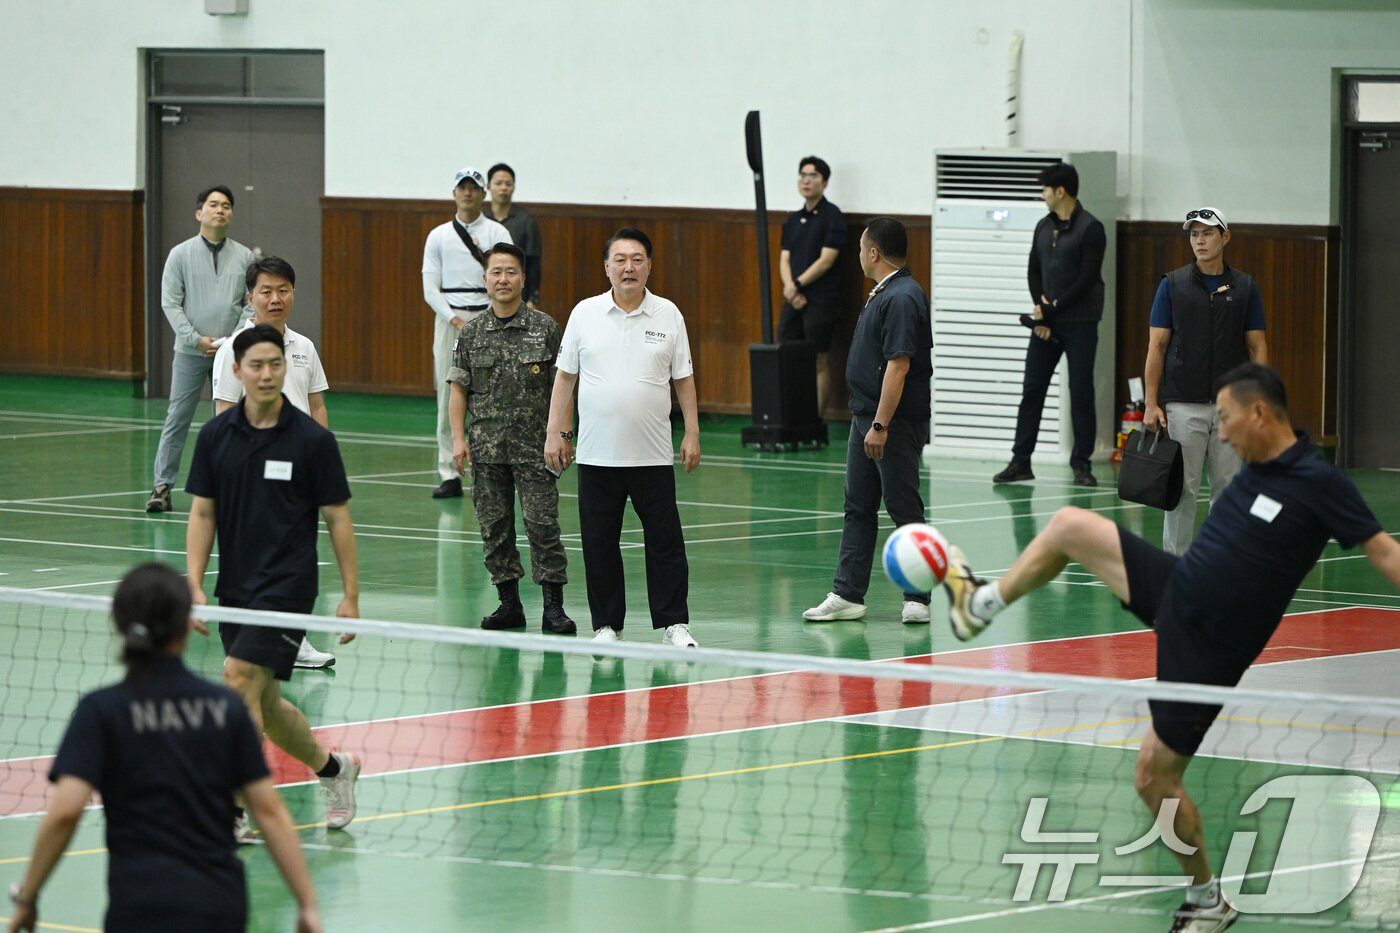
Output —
(304, 373)
(625, 364)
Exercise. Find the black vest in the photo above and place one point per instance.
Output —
(1207, 333)
(1060, 249)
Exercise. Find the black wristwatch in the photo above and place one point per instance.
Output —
(876, 426)
(567, 435)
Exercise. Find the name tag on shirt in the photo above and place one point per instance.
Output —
(282, 469)
(1265, 508)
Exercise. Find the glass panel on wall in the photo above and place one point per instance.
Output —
(265, 76)
(288, 75)
(1376, 102)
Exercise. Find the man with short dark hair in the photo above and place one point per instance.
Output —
(1065, 274)
(271, 294)
(1206, 318)
(201, 293)
(502, 374)
(261, 472)
(453, 286)
(813, 238)
(1216, 606)
(524, 230)
(888, 372)
(630, 347)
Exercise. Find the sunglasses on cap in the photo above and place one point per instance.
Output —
(1206, 214)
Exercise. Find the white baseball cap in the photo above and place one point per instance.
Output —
(471, 175)
(1209, 216)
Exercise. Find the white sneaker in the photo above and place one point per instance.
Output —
(914, 613)
(1193, 919)
(678, 636)
(311, 659)
(243, 833)
(607, 634)
(340, 791)
(835, 609)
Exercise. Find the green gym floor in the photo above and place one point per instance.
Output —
(534, 791)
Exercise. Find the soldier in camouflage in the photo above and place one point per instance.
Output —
(502, 373)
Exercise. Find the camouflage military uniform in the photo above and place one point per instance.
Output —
(506, 368)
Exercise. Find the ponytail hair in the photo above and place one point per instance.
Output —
(151, 609)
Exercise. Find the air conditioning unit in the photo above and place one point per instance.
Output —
(986, 206)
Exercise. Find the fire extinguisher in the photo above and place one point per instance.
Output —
(1132, 421)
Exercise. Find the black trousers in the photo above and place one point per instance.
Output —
(602, 498)
(1079, 341)
(896, 480)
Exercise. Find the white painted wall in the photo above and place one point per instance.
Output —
(642, 101)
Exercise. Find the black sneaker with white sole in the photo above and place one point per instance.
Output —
(160, 499)
(1191, 918)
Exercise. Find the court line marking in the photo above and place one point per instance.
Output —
(112, 430)
(46, 925)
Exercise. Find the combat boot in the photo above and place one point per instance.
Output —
(509, 614)
(555, 621)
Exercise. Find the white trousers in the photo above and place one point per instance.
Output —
(1197, 428)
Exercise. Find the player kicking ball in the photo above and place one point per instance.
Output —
(1215, 607)
(261, 472)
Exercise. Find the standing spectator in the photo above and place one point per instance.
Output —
(888, 371)
(201, 293)
(453, 266)
(630, 347)
(271, 294)
(501, 374)
(813, 238)
(262, 471)
(1207, 318)
(163, 743)
(1066, 283)
(524, 231)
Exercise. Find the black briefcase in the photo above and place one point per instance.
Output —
(1152, 473)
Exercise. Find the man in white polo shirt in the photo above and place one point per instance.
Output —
(454, 286)
(623, 350)
(271, 284)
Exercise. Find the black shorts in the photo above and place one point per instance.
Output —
(1185, 653)
(265, 646)
(815, 324)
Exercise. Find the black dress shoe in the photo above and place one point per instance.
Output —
(448, 489)
(1084, 478)
(1014, 473)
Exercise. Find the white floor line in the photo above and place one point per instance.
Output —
(38, 434)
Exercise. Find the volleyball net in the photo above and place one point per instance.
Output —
(928, 779)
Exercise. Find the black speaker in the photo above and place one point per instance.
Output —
(783, 383)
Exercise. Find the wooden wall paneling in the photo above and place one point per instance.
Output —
(71, 276)
(1292, 266)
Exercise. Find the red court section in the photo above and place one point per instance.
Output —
(601, 720)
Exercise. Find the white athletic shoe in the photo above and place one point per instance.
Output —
(243, 833)
(914, 613)
(961, 583)
(678, 636)
(311, 659)
(340, 791)
(835, 609)
(607, 634)
(1193, 919)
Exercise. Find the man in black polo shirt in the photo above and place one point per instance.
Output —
(261, 471)
(1214, 607)
(1065, 274)
(813, 237)
(888, 372)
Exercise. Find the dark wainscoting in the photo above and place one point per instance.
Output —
(377, 330)
(1296, 268)
(71, 278)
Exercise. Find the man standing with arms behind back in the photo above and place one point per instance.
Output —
(1207, 318)
(201, 293)
(454, 286)
(813, 238)
(624, 349)
(888, 371)
(1065, 274)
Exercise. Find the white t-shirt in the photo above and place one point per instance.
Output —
(304, 373)
(447, 258)
(625, 364)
